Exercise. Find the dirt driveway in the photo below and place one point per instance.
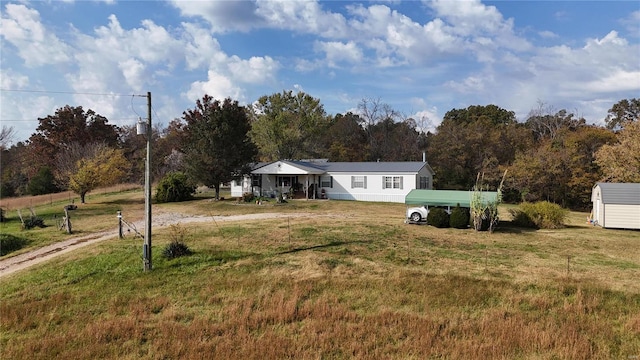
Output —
(23, 261)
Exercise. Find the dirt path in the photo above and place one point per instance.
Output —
(23, 261)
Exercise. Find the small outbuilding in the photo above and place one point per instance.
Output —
(616, 205)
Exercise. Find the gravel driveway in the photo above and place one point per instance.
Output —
(19, 262)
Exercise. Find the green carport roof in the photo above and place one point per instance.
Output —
(446, 197)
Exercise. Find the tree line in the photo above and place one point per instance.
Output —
(553, 155)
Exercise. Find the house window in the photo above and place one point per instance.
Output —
(256, 180)
(424, 182)
(284, 181)
(359, 182)
(326, 181)
(392, 182)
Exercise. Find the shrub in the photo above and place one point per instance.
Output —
(438, 217)
(459, 218)
(176, 249)
(10, 243)
(33, 221)
(539, 215)
(248, 197)
(174, 187)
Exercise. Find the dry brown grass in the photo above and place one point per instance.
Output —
(342, 284)
(25, 202)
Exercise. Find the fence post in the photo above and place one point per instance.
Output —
(120, 234)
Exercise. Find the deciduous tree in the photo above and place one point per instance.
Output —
(479, 139)
(288, 126)
(620, 162)
(84, 168)
(345, 139)
(623, 111)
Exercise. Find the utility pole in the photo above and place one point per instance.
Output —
(146, 250)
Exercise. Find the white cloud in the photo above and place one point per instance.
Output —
(133, 72)
(217, 85)
(338, 52)
(22, 28)
(302, 16)
(546, 34)
(12, 80)
(222, 16)
(426, 119)
(256, 70)
(200, 47)
(632, 23)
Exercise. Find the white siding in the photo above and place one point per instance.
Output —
(239, 187)
(621, 216)
(598, 207)
(374, 191)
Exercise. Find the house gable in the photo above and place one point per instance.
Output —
(287, 167)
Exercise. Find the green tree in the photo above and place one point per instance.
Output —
(623, 111)
(42, 183)
(84, 168)
(217, 146)
(288, 126)
(620, 162)
(174, 187)
(560, 170)
(479, 139)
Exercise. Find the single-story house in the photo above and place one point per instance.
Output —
(322, 179)
(616, 205)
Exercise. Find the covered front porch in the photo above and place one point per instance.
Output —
(286, 178)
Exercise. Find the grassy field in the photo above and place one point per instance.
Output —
(350, 281)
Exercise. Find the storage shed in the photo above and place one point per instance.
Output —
(616, 205)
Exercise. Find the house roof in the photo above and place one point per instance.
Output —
(380, 166)
(620, 193)
(320, 167)
(288, 168)
(446, 197)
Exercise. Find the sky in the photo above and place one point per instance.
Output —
(423, 58)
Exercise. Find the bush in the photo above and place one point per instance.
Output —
(459, 218)
(438, 217)
(539, 215)
(174, 187)
(34, 221)
(248, 197)
(176, 249)
(10, 243)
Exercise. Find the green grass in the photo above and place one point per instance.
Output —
(351, 281)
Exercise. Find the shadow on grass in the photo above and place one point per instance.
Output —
(125, 201)
(330, 244)
(10, 243)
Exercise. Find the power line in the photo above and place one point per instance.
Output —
(70, 93)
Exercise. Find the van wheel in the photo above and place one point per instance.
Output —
(415, 217)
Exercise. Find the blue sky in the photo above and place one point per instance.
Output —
(423, 58)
